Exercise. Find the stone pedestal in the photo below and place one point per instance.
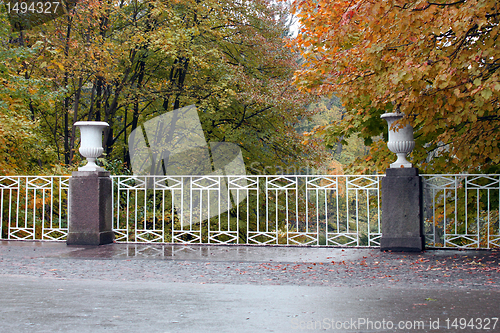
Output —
(90, 208)
(402, 219)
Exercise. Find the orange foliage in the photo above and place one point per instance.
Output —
(436, 61)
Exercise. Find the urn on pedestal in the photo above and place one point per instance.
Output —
(91, 143)
(400, 139)
(90, 199)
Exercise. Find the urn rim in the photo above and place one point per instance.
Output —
(392, 115)
(91, 123)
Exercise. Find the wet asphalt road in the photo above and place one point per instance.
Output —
(50, 287)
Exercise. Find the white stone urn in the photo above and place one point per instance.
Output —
(400, 139)
(91, 143)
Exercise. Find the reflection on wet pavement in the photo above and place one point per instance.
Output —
(217, 253)
(238, 253)
(202, 252)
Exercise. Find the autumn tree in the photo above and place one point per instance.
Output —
(23, 148)
(127, 62)
(435, 61)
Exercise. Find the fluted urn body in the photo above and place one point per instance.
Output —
(91, 143)
(400, 140)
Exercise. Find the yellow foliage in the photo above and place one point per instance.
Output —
(437, 62)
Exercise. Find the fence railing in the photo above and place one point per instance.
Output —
(460, 211)
(292, 210)
(34, 207)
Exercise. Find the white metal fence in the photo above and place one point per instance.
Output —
(459, 210)
(292, 210)
(34, 207)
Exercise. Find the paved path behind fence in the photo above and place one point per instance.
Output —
(49, 287)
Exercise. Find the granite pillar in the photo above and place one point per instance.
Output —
(402, 212)
(90, 208)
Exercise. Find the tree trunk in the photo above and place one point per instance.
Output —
(67, 98)
(75, 119)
